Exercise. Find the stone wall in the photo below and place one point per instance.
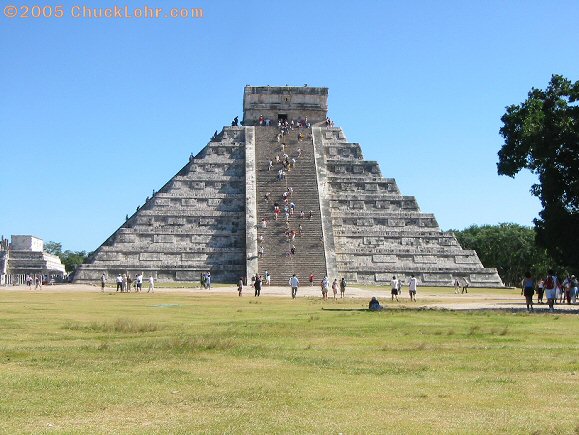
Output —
(380, 233)
(27, 243)
(294, 102)
(193, 224)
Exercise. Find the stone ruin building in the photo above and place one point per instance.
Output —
(209, 216)
(25, 255)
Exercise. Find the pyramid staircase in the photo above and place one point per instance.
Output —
(309, 257)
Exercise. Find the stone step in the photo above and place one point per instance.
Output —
(303, 179)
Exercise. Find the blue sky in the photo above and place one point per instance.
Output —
(95, 114)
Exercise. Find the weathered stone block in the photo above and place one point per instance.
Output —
(163, 238)
(151, 256)
(383, 277)
(384, 258)
(396, 222)
(196, 256)
(187, 275)
(365, 222)
(460, 259)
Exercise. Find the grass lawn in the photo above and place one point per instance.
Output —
(80, 362)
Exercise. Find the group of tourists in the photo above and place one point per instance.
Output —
(125, 282)
(396, 288)
(294, 283)
(205, 280)
(325, 286)
(552, 287)
(36, 279)
(284, 207)
(458, 285)
(257, 282)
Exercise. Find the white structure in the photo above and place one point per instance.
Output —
(25, 256)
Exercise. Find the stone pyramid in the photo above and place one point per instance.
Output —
(347, 220)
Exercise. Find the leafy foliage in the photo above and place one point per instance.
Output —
(70, 259)
(509, 247)
(53, 248)
(73, 259)
(542, 135)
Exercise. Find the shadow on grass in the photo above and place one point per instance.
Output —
(346, 309)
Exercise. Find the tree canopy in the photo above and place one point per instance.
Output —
(542, 135)
(53, 248)
(510, 248)
(70, 259)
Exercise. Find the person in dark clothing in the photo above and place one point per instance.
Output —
(528, 289)
(257, 285)
(374, 305)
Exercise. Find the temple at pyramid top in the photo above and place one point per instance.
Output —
(284, 103)
(284, 193)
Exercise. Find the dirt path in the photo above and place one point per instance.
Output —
(430, 297)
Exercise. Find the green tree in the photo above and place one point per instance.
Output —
(72, 259)
(53, 248)
(509, 247)
(542, 135)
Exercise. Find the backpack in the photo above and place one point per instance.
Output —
(549, 283)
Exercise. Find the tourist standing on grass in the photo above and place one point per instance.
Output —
(342, 287)
(257, 285)
(267, 278)
(208, 280)
(325, 285)
(456, 285)
(568, 288)
(294, 283)
(394, 288)
(574, 286)
(551, 284)
(36, 282)
(126, 282)
(140, 282)
(151, 284)
(412, 285)
(240, 286)
(324, 289)
(311, 279)
(119, 282)
(528, 289)
(103, 282)
(560, 292)
(540, 291)
(29, 282)
(335, 288)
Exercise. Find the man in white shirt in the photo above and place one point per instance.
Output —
(412, 284)
(294, 283)
(151, 284)
(119, 282)
(394, 287)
